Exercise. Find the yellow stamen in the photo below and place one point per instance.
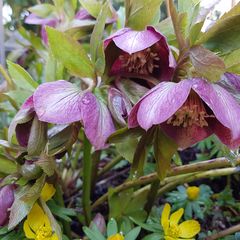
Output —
(44, 233)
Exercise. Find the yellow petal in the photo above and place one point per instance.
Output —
(36, 217)
(165, 217)
(116, 237)
(54, 237)
(170, 238)
(47, 192)
(176, 216)
(189, 229)
(28, 231)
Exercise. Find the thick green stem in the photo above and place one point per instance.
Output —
(95, 160)
(110, 165)
(197, 176)
(59, 199)
(225, 232)
(87, 174)
(174, 174)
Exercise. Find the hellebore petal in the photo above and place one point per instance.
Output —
(224, 106)
(22, 122)
(233, 79)
(58, 102)
(159, 104)
(119, 105)
(185, 137)
(36, 20)
(83, 14)
(97, 121)
(6, 201)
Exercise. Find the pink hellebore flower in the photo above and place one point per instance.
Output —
(62, 102)
(6, 201)
(139, 54)
(190, 111)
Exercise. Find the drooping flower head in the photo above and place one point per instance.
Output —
(189, 111)
(175, 231)
(139, 54)
(6, 201)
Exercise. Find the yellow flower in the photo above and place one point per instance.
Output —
(47, 192)
(37, 225)
(193, 193)
(173, 230)
(117, 236)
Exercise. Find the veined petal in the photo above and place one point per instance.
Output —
(97, 121)
(36, 20)
(28, 231)
(189, 229)
(133, 41)
(58, 102)
(161, 103)
(165, 217)
(222, 103)
(36, 217)
(176, 216)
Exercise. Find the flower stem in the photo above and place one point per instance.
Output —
(175, 173)
(87, 172)
(225, 232)
(110, 165)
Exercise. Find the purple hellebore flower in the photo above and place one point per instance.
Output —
(119, 105)
(61, 102)
(6, 201)
(139, 54)
(190, 111)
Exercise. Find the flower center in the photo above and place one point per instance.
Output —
(193, 192)
(173, 231)
(142, 62)
(191, 113)
(44, 233)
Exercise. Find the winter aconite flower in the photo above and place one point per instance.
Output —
(189, 111)
(175, 231)
(139, 54)
(117, 236)
(47, 192)
(37, 225)
(193, 192)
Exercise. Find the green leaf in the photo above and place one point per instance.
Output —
(133, 234)
(42, 10)
(47, 164)
(232, 62)
(164, 149)
(96, 43)
(93, 235)
(112, 227)
(70, 53)
(92, 6)
(21, 77)
(141, 13)
(224, 35)
(206, 63)
(7, 166)
(24, 200)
